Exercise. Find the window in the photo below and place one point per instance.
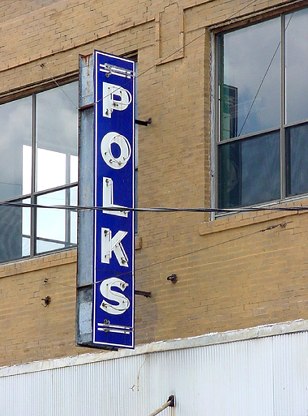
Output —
(262, 146)
(38, 142)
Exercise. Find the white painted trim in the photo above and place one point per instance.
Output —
(215, 338)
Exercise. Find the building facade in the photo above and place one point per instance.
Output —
(224, 83)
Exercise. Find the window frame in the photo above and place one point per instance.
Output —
(283, 124)
(30, 199)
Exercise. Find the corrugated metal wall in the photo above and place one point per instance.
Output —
(266, 376)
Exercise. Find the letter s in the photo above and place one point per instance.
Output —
(122, 303)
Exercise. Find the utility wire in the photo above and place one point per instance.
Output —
(186, 44)
(177, 257)
(77, 208)
(259, 88)
(166, 57)
(192, 41)
(172, 209)
(198, 250)
(168, 209)
(263, 79)
(187, 253)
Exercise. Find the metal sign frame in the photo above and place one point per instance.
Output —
(114, 166)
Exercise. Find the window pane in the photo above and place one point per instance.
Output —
(57, 124)
(297, 166)
(50, 222)
(12, 243)
(15, 134)
(56, 228)
(249, 171)
(296, 66)
(250, 79)
(42, 246)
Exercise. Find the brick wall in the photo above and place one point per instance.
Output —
(234, 272)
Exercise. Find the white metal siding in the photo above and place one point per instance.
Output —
(266, 376)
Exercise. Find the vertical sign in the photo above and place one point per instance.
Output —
(113, 268)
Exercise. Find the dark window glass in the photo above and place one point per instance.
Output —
(11, 233)
(297, 151)
(249, 171)
(15, 231)
(15, 174)
(15, 148)
(263, 111)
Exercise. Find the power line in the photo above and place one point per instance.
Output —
(170, 209)
(198, 250)
(77, 208)
(190, 42)
(188, 253)
(263, 79)
(166, 57)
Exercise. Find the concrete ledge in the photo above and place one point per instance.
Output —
(246, 334)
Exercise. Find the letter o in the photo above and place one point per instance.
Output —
(106, 151)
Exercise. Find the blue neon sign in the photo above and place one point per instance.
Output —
(113, 295)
